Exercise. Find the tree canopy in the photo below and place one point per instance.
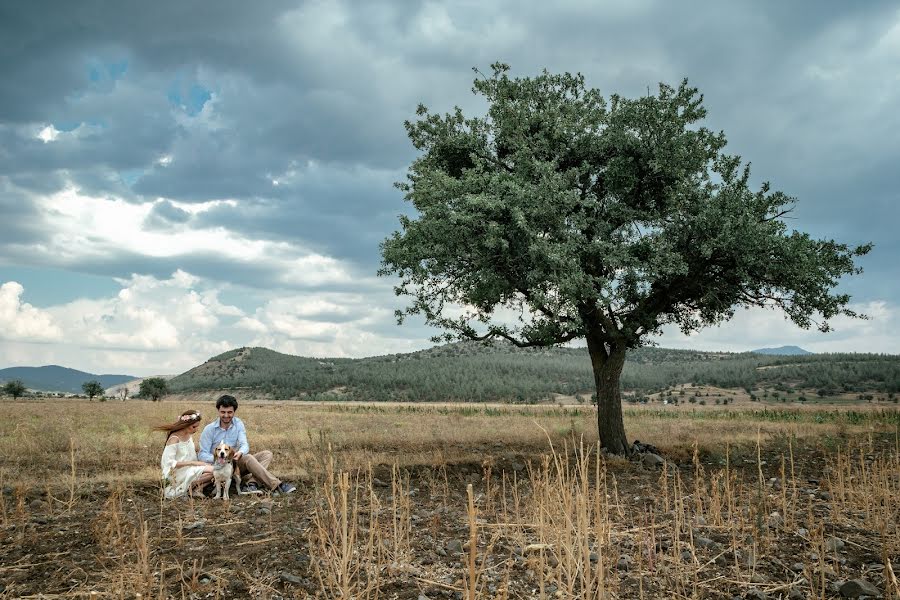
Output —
(14, 388)
(92, 388)
(153, 388)
(561, 215)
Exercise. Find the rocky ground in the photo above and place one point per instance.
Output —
(118, 542)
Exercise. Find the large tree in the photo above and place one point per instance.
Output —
(14, 388)
(154, 387)
(595, 219)
(92, 388)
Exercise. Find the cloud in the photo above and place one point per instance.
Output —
(759, 328)
(109, 235)
(318, 318)
(165, 214)
(147, 314)
(150, 326)
(164, 325)
(21, 321)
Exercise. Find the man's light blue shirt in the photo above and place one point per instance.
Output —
(235, 436)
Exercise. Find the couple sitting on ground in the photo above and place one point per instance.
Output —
(184, 474)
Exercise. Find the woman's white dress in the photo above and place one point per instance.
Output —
(177, 481)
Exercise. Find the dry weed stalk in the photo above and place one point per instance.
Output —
(142, 563)
(21, 516)
(489, 490)
(345, 564)
(71, 479)
(321, 450)
(471, 579)
(4, 519)
(109, 529)
(129, 560)
(472, 574)
(569, 516)
(401, 514)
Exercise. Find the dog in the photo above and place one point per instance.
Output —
(225, 470)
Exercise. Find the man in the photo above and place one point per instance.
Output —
(230, 429)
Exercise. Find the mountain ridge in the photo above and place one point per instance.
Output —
(476, 372)
(783, 351)
(56, 378)
(473, 371)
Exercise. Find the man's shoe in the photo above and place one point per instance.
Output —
(284, 488)
(250, 488)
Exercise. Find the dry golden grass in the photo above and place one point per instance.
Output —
(113, 441)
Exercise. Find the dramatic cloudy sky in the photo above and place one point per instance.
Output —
(181, 178)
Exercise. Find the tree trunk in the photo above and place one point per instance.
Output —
(607, 361)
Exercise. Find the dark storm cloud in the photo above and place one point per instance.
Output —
(47, 53)
(220, 269)
(21, 224)
(344, 235)
(341, 213)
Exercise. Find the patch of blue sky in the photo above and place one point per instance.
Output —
(189, 97)
(130, 176)
(245, 298)
(103, 74)
(66, 126)
(49, 287)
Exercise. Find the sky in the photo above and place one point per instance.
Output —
(178, 179)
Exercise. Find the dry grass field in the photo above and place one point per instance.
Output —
(412, 501)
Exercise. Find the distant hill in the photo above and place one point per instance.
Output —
(53, 378)
(470, 371)
(783, 351)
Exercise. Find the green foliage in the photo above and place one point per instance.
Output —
(92, 388)
(501, 372)
(14, 388)
(595, 219)
(153, 388)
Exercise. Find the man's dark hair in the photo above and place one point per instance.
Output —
(226, 400)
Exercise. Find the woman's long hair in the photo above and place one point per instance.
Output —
(187, 418)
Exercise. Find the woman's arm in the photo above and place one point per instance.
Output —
(169, 457)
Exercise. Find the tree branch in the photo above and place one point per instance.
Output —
(520, 344)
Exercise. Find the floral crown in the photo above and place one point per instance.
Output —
(193, 417)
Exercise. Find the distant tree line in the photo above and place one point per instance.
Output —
(481, 373)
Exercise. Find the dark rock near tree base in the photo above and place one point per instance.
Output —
(859, 587)
(290, 578)
(640, 448)
(651, 460)
(834, 544)
(796, 594)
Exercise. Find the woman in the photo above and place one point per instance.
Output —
(182, 473)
